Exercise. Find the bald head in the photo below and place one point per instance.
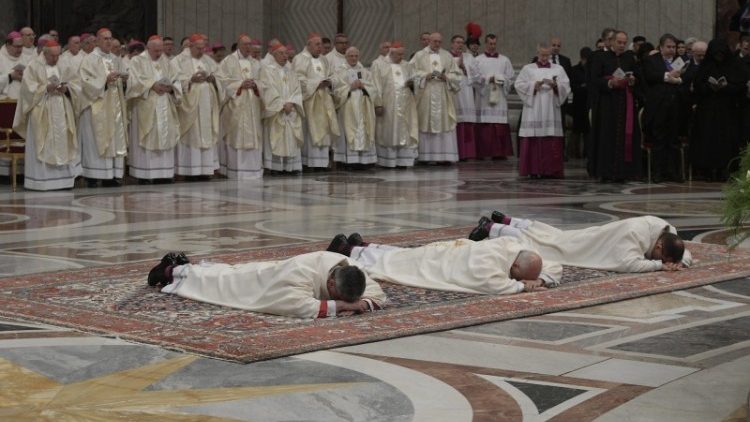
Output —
(315, 46)
(527, 266)
(28, 36)
(436, 41)
(155, 48)
(699, 51)
(352, 56)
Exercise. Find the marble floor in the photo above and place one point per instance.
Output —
(681, 356)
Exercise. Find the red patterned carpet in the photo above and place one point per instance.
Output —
(116, 301)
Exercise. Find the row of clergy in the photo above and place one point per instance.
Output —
(190, 116)
(520, 255)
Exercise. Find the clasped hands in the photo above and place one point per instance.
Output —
(620, 83)
(201, 76)
(161, 89)
(114, 76)
(57, 89)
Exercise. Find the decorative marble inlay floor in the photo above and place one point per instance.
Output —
(681, 356)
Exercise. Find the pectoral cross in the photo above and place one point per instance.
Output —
(435, 63)
(398, 73)
(318, 69)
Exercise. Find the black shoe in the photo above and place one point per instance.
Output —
(497, 217)
(111, 183)
(340, 245)
(481, 231)
(92, 183)
(158, 277)
(355, 239)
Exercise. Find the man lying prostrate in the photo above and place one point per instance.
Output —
(632, 245)
(500, 266)
(312, 285)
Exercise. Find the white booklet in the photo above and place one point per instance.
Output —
(619, 73)
(713, 81)
(678, 64)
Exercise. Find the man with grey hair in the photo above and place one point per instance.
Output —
(71, 59)
(45, 118)
(29, 50)
(154, 127)
(397, 133)
(312, 285)
(355, 97)
(498, 266)
(102, 125)
(315, 72)
(438, 78)
(385, 48)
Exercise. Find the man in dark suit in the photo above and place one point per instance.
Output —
(663, 109)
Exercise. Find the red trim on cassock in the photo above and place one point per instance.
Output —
(323, 312)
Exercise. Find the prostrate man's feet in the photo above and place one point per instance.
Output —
(355, 239)
(340, 245)
(498, 217)
(482, 230)
(161, 274)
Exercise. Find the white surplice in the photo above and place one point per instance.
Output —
(492, 101)
(621, 246)
(466, 106)
(293, 287)
(541, 110)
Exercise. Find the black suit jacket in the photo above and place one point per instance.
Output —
(658, 93)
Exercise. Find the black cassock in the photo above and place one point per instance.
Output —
(717, 125)
(611, 155)
(580, 109)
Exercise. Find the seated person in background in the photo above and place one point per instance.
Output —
(312, 285)
(632, 245)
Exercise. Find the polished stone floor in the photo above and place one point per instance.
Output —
(681, 356)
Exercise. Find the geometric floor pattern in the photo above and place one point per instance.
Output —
(676, 356)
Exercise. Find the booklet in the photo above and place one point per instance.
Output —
(678, 64)
(619, 73)
(721, 81)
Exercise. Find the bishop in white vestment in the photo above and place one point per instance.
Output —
(282, 114)
(153, 90)
(543, 88)
(397, 130)
(45, 118)
(466, 106)
(337, 56)
(496, 80)
(73, 56)
(102, 125)
(241, 115)
(197, 151)
(315, 77)
(438, 79)
(355, 96)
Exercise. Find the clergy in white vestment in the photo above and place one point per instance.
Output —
(46, 120)
(466, 107)
(153, 90)
(102, 124)
(632, 245)
(312, 285)
(397, 128)
(29, 48)
(12, 65)
(496, 80)
(385, 48)
(355, 96)
(282, 114)
(438, 80)
(241, 116)
(71, 59)
(337, 56)
(199, 111)
(499, 266)
(88, 43)
(315, 75)
(543, 87)
(268, 58)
